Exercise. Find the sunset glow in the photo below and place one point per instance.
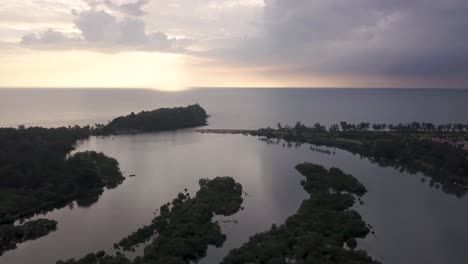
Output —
(174, 44)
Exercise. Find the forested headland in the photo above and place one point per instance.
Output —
(157, 120)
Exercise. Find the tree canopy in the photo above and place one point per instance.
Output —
(158, 120)
(318, 231)
(36, 175)
(183, 230)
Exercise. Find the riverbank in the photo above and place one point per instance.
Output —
(402, 147)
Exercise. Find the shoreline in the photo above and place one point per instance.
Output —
(224, 131)
(253, 132)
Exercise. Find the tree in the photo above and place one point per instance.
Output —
(344, 125)
(334, 128)
(319, 128)
(363, 126)
(279, 126)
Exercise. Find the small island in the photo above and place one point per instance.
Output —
(183, 230)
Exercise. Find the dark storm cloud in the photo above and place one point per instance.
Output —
(369, 37)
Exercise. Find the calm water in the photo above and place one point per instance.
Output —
(236, 108)
(413, 222)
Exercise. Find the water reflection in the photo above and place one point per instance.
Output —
(413, 223)
(436, 181)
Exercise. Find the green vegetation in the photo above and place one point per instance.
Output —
(32, 169)
(412, 147)
(157, 120)
(94, 171)
(40, 179)
(11, 235)
(319, 230)
(36, 176)
(183, 230)
(82, 177)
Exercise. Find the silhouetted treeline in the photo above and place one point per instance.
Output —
(157, 120)
(363, 126)
(414, 147)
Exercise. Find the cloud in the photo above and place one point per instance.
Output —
(130, 8)
(395, 39)
(198, 24)
(49, 37)
(369, 37)
(99, 30)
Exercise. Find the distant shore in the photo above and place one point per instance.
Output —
(225, 131)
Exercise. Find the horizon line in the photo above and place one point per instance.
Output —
(228, 87)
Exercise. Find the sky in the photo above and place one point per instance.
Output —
(175, 44)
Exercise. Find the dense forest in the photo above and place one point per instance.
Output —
(319, 229)
(36, 175)
(32, 168)
(157, 120)
(183, 230)
(11, 235)
(437, 151)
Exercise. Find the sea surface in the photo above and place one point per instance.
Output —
(413, 222)
(235, 108)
